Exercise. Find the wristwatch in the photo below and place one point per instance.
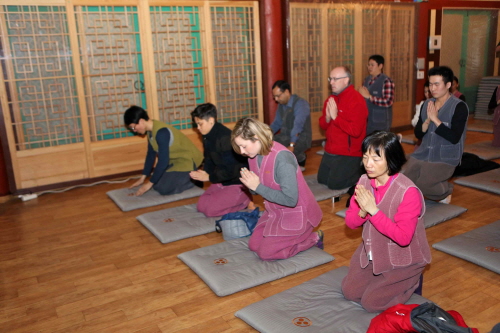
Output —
(292, 144)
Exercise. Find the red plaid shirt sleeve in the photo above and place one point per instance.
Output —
(387, 98)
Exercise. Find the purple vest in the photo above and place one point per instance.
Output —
(282, 220)
(386, 254)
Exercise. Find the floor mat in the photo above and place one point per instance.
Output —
(230, 266)
(322, 192)
(483, 149)
(127, 201)
(488, 181)
(172, 224)
(317, 305)
(480, 246)
(479, 125)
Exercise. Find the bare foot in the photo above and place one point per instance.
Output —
(251, 205)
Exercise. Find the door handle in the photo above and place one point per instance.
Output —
(139, 85)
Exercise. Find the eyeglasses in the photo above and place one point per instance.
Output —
(132, 128)
(335, 79)
(278, 96)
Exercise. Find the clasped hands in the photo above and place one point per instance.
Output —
(365, 200)
(364, 92)
(331, 110)
(432, 114)
(249, 179)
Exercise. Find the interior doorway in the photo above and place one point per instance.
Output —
(468, 38)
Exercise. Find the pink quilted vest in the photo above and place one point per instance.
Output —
(386, 254)
(282, 220)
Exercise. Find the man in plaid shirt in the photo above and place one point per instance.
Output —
(378, 91)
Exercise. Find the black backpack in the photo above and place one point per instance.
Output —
(430, 318)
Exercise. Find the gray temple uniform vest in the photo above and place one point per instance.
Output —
(435, 148)
(379, 117)
(304, 140)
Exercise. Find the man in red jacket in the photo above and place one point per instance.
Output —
(344, 122)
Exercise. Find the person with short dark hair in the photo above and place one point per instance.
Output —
(292, 125)
(441, 127)
(221, 166)
(454, 89)
(386, 268)
(286, 226)
(177, 155)
(344, 122)
(378, 91)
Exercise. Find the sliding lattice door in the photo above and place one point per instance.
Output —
(327, 35)
(69, 71)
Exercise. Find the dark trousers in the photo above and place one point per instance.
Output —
(338, 171)
(173, 182)
(430, 178)
(299, 150)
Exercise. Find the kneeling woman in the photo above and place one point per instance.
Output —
(286, 226)
(386, 267)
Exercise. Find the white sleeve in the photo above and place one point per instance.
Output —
(414, 121)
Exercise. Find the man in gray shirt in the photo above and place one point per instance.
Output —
(292, 125)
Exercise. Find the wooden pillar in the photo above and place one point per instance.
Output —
(273, 51)
(4, 180)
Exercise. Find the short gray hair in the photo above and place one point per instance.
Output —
(347, 73)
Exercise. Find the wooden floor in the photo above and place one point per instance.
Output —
(74, 262)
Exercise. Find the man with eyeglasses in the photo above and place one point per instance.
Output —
(292, 125)
(344, 122)
(378, 91)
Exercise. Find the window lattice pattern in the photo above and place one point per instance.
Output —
(39, 77)
(112, 67)
(401, 59)
(340, 38)
(180, 78)
(325, 35)
(374, 33)
(233, 37)
(308, 77)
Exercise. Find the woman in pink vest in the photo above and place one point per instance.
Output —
(386, 268)
(286, 226)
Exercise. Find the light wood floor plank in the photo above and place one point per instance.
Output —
(73, 262)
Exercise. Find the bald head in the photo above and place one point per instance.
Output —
(340, 78)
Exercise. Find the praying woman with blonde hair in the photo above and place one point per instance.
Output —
(291, 211)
